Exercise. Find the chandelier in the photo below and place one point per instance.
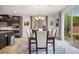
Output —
(39, 18)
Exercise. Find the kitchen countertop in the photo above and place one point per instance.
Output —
(1, 32)
(6, 28)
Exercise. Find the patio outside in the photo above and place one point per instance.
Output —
(72, 30)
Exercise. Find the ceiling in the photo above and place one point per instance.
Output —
(31, 9)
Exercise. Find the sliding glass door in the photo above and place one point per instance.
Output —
(71, 27)
(68, 30)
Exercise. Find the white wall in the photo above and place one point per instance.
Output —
(53, 19)
(25, 19)
(50, 19)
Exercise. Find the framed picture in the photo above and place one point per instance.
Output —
(57, 22)
(38, 23)
(26, 23)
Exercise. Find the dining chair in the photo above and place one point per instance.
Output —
(53, 34)
(50, 31)
(30, 39)
(41, 40)
(28, 33)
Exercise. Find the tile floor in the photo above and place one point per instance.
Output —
(21, 47)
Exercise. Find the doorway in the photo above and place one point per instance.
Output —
(71, 27)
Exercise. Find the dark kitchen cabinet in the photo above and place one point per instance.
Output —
(17, 25)
(14, 21)
(3, 41)
(3, 20)
(6, 38)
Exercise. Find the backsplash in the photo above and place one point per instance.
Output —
(3, 24)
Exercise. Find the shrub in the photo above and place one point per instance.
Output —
(76, 36)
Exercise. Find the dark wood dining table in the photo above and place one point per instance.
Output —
(50, 38)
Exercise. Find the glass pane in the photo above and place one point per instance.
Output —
(67, 29)
(76, 31)
(76, 26)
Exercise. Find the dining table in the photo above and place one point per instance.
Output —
(51, 39)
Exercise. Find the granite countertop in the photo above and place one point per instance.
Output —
(6, 28)
(6, 32)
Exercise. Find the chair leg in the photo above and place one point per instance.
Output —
(29, 47)
(53, 46)
(36, 50)
(46, 51)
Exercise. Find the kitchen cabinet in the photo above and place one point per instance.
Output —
(5, 38)
(3, 41)
(17, 25)
(13, 21)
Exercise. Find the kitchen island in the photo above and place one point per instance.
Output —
(6, 38)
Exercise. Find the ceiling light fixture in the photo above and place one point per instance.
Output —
(39, 17)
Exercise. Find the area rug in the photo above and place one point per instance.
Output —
(58, 50)
(61, 47)
(22, 49)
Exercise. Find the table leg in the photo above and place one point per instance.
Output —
(29, 46)
(53, 46)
